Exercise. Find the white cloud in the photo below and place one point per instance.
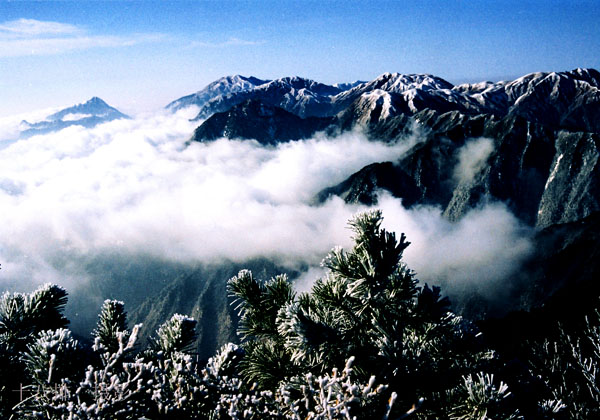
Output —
(26, 37)
(477, 253)
(30, 27)
(231, 42)
(472, 158)
(131, 187)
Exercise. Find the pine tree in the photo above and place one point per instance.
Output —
(368, 307)
(112, 322)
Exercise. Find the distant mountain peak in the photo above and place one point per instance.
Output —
(88, 114)
(397, 82)
(236, 81)
(94, 107)
(298, 83)
(96, 101)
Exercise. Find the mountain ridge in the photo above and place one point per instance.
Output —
(543, 130)
(569, 99)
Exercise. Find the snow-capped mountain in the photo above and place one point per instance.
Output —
(221, 87)
(303, 97)
(391, 83)
(563, 100)
(348, 86)
(546, 175)
(88, 114)
(371, 107)
(566, 99)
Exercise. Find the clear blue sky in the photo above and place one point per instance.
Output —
(139, 55)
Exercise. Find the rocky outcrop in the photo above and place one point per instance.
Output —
(363, 186)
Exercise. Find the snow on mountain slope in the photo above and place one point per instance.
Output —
(389, 82)
(348, 86)
(564, 99)
(223, 86)
(373, 106)
(560, 99)
(300, 96)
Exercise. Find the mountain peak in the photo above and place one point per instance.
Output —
(88, 114)
(222, 87)
(93, 107)
(348, 86)
(96, 101)
(297, 82)
(236, 81)
(589, 75)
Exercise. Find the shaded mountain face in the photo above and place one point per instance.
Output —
(254, 119)
(559, 282)
(362, 186)
(546, 176)
(88, 115)
(154, 289)
(202, 293)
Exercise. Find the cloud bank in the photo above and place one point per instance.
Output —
(131, 187)
(478, 253)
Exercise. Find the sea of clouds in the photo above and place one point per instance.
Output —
(134, 187)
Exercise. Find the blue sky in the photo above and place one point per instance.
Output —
(140, 55)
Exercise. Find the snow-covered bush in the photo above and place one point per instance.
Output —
(22, 317)
(175, 335)
(570, 368)
(481, 398)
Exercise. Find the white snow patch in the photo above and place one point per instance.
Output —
(381, 98)
(554, 171)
